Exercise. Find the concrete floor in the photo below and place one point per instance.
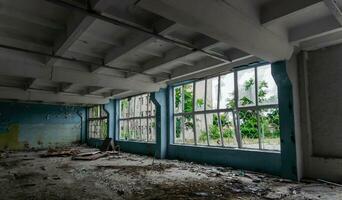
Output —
(26, 175)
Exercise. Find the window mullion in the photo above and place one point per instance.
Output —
(218, 106)
(236, 113)
(205, 109)
(257, 104)
(193, 110)
(183, 118)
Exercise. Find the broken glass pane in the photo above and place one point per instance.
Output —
(123, 130)
(212, 93)
(144, 129)
(124, 108)
(270, 129)
(131, 107)
(214, 130)
(228, 129)
(201, 133)
(249, 129)
(144, 100)
(151, 130)
(246, 85)
(178, 102)
(227, 100)
(178, 130)
(188, 97)
(188, 130)
(199, 96)
(267, 88)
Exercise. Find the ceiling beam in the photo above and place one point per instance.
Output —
(76, 26)
(52, 97)
(236, 29)
(274, 11)
(315, 29)
(34, 69)
(323, 41)
(334, 9)
(29, 17)
(136, 41)
(219, 69)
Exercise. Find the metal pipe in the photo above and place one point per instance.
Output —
(76, 60)
(98, 15)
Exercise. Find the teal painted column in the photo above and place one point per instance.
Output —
(116, 119)
(160, 101)
(287, 131)
(82, 113)
(109, 108)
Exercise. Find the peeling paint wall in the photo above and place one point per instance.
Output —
(39, 126)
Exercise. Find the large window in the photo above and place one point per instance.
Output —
(137, 120)
(97, 122)
(239, 109)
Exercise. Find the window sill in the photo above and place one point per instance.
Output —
(227, 148)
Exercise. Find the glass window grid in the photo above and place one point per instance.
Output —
(96, 123)
(135, 115)
(235, 111)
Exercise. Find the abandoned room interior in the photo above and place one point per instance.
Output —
(170, 99)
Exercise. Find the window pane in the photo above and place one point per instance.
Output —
(249, 129)
(228, 129)
(151, 130)
(188, 97)
(137, 104)
(201, 133)
(178, 129)
(124, 108)
(137, 129)
(131, 107)
(144, 100)
(246, 85)
(131, 130)
(103, 112)
(227, 91)
(123, 130)
(214, 130)
(269, 127)
(188, 130)
(177, 92)
(267, 88)
(103, 129)
(151, 108)
(143, 127)
(212, 92)
(199, 96)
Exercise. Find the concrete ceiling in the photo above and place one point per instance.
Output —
(58, 54)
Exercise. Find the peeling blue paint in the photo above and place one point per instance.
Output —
(42, 126)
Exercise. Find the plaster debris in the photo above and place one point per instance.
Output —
(26, 175)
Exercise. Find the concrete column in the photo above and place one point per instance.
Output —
(287, 129)
(160, 101)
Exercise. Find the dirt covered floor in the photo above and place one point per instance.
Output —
(28, 176)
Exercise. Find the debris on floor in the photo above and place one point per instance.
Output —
(26, 175)
(60, 152)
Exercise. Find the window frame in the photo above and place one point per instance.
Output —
(151, 118)
(235, 111)
(101, 118)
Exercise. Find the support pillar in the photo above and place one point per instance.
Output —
(286, 117)
(160, 101)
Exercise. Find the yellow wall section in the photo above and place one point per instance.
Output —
(10, 139)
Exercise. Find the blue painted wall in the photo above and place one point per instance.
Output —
(40, 126)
